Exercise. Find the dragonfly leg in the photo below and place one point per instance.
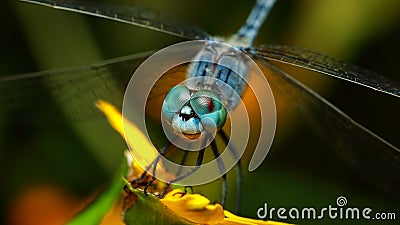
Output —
(222, 170)
(239, 168)
(185, 191)
(143, 175)
(188, 173)
(165, 190)
(162, 153)
(143, 178)
(148, 185)
(183, 160)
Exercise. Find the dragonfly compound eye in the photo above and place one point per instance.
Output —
(176, 98)
(209, 108)
(192, 114)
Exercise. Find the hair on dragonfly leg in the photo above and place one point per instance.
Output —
(222, 170)
(239, 168)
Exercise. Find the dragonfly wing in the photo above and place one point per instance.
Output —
(74, 90)
(372, 156)
(127, 14)
(323, 64)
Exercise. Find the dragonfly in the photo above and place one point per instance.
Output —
(338, 128)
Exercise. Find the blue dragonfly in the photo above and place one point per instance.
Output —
(338, 128)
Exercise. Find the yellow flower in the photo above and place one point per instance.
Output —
(193, 208)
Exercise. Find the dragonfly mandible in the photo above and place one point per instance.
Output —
(364, 143)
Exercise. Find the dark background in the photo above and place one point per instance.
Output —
(62, 162)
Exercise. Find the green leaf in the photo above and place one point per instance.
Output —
(149, 210)
(103, 203)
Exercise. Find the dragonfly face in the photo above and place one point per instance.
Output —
(190, 112)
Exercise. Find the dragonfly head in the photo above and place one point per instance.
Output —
(193, 112)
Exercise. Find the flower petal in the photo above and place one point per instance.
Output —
(136, 139)
(193, 207)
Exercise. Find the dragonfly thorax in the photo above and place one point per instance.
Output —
(221, 69)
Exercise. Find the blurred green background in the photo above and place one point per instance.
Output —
(47, 150)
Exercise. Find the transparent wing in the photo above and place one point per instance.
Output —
(127, 14)
(372, 156)
(74, 90)
(323, 64)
